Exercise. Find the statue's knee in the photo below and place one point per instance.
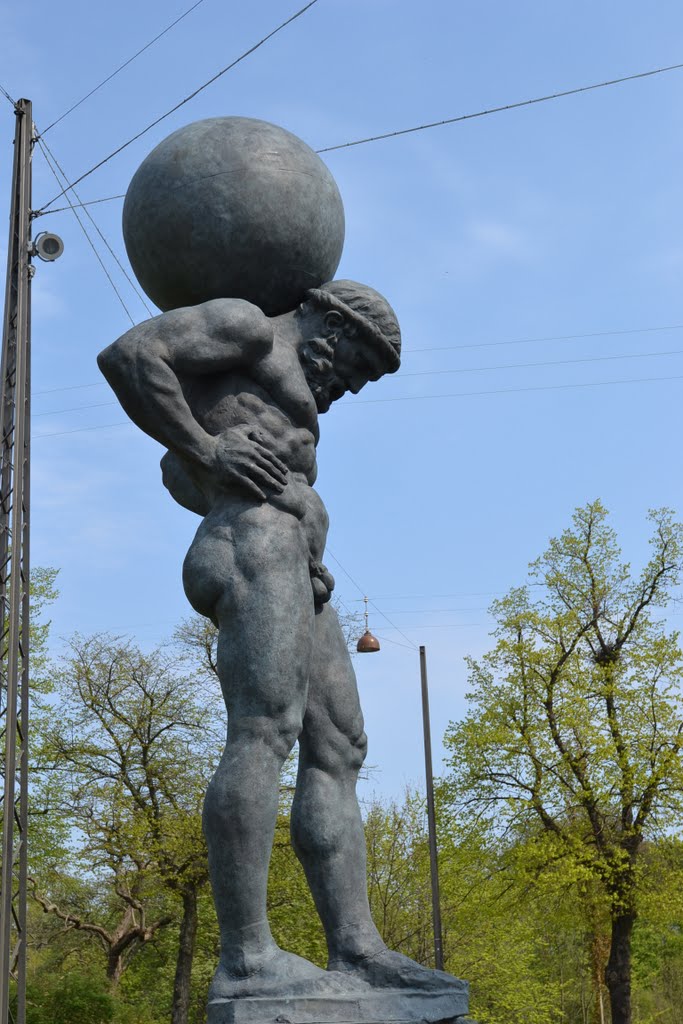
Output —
(336, 751)
(353, 747)
(277, 732)
(359, 750)
(281, 733)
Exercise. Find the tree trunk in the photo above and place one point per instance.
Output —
(181, 985)
(115, 967)
(618, 970)
(600, 946)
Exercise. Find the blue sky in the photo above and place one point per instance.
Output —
(555, 220)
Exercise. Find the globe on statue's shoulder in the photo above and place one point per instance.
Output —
(233, 207)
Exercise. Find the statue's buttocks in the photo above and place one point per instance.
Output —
(236, 522)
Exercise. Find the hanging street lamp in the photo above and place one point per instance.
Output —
(368, 644)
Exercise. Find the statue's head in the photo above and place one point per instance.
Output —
(350, 335)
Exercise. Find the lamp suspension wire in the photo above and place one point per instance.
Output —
(15, 443)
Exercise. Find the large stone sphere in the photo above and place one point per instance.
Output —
(232, 207)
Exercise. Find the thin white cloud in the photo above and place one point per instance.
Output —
(46, 302)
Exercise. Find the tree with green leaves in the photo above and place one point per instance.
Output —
(573, 741)
(126, 755)
(43, 593)
(521, 963)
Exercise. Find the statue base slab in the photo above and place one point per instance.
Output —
(376, 1006)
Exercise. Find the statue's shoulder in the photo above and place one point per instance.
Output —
(237, 316)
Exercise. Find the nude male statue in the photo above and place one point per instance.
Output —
(235, 396)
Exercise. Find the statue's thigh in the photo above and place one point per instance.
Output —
(266, 616)
(254, 572)
(333, 734)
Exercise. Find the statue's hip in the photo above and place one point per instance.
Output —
(240, 538)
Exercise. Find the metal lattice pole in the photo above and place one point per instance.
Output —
(15, 443)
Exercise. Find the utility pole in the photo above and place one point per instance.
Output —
(15, 451)
(431, 816)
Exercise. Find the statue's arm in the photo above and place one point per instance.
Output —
(145, 365)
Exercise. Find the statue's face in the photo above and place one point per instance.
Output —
(335, 363)
(334, 367)
(317, 360)
(356, 363)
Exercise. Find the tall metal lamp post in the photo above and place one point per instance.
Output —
(369, 644)
(431, 815)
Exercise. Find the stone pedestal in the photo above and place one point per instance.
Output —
(378, 1006)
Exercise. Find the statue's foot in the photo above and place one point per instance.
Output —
(384, 968)
(279, 973)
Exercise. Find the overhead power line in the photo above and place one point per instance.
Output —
(439, 625)
(415, 597)
(465, 369)
(82, 430)
(7, 96)
(361, 591)
(371, 138)
(46, 149)
(549, 362)
(78, 206)
(506, 106)
(556, 337)
(434, 611)
(83, 228)
(510, 366)
(182, 102)
(462, 370)
(73, 408)
(69, 387)
(509, 391)
(388, 640)
(422, 398)
(122, 66)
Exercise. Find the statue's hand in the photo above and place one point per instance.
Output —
(239, 458)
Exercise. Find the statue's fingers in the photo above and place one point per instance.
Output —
(270, 468)
(251, 487)
(273, 459)
(258, 440)
(265, 478)
(260, 456)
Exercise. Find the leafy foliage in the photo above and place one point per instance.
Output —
(573, 742)
(125, 759)
(69, 999)
(574, 720)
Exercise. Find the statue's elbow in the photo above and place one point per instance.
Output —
(115, 364)
(104, 360)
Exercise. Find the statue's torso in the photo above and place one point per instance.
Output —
(230, 400)
(272, 399)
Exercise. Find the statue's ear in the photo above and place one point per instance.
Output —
(334, 319)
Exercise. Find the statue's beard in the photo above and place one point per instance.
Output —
(317, 361)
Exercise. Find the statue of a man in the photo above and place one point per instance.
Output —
(235, 397)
